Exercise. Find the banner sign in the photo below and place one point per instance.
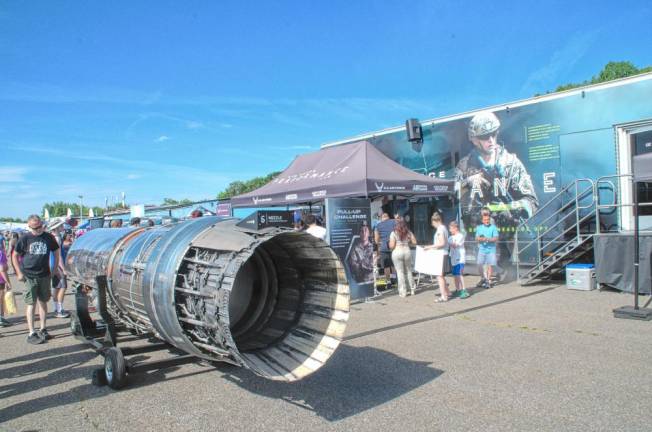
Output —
(223, 209)
(267, 218)
(349, 221)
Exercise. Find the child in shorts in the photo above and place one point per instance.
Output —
(458, 257)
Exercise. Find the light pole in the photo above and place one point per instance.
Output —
(81, 208)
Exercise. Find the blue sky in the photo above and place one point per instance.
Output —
(177, 99)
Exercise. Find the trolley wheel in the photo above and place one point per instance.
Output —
(98, 378)
(115, 368)
(75, 326)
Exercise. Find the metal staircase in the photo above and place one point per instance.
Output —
(558, 232)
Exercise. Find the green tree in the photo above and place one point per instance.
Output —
(239, 187)
(60, 208)
(11, 219)
(610, 72)
(171, 201)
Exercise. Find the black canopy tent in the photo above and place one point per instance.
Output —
(353, 170)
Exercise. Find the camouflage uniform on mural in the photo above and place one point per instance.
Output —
(493, 177)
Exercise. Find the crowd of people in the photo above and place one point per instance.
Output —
(37, 258)
(394, 239)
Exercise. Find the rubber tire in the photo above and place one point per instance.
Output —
(115, 368)
(98, 378)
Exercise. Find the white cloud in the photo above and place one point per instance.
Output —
(132, 176)
(194, 124)
(12, 174)
(561, 63)
(162, 138)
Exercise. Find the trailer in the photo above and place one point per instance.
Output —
(558, 174)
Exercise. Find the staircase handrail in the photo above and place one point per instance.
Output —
(585, 217)
(550, 201)
(580, 196)
(564, 231)
(565, 189)
(615, 203)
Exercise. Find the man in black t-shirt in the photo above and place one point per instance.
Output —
(34, 269)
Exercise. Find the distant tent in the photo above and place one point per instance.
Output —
(352, 170)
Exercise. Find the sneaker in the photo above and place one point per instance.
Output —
(62, 314)
(487, 285)
(4, 322)
(464, 294)
(44, 334)
(35, 339)
(481, 283)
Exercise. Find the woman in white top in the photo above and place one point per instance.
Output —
(440, 245)
(399, 242)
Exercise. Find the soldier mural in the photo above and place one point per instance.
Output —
(490, 176)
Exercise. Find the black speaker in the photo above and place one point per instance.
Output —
(414, 132)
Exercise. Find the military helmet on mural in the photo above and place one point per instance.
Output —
(483, 123)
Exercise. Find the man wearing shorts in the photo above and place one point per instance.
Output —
(34, 247)
(487, 236)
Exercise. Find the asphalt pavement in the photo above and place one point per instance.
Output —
(511, 358)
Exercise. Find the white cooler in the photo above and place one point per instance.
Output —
(580, 277)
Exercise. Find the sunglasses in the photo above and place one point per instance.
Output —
(487, 136)
(36, 228)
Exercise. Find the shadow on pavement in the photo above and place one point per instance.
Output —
(51, 352)
(354, 380)
(446, 315)
(64, 364)
(11, 331)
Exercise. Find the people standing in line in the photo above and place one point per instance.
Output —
(313, 228)
(458, 258)
(5, 284)
(487, 236)
(381, 238)
(34, 247)
(400, 241)
(440, 245)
